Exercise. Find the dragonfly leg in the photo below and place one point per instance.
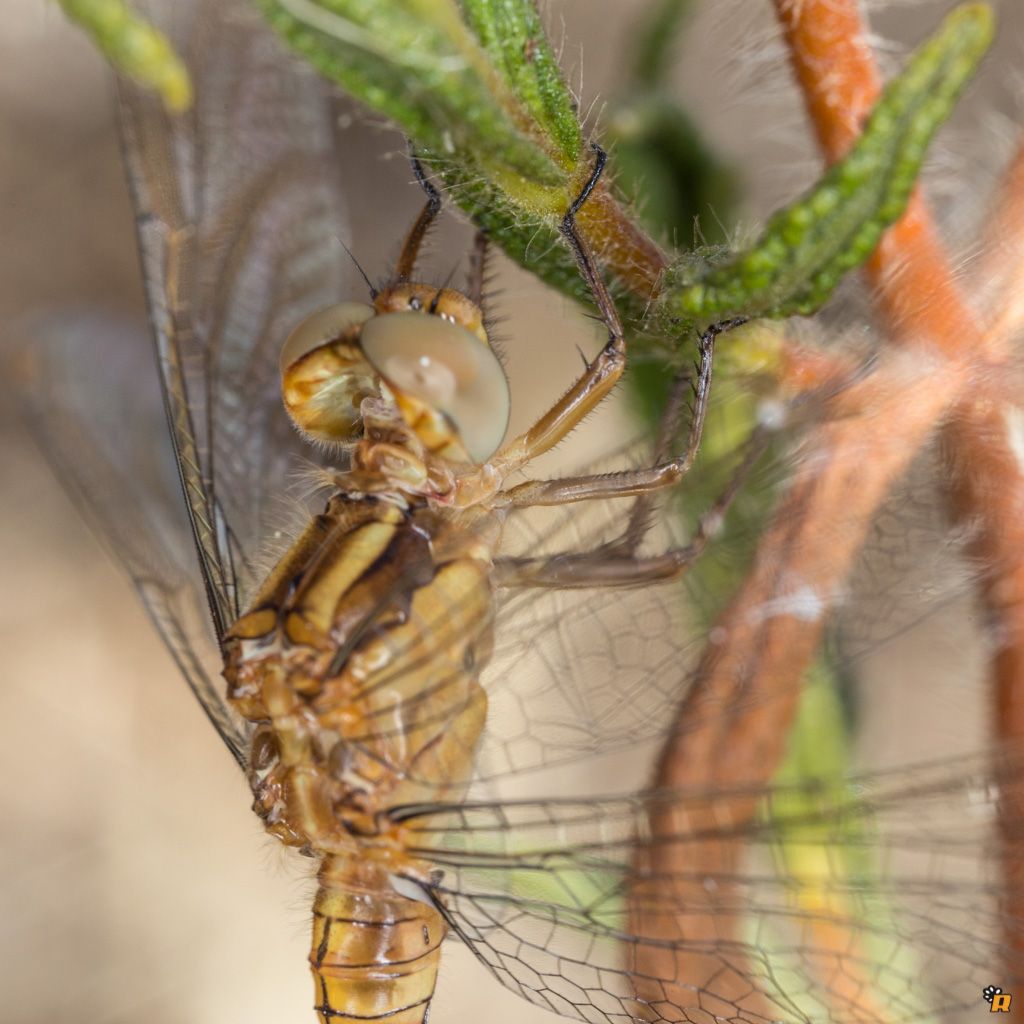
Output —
(594, 569)
(414, 239)
(684, 384)
(478, 276)
(665, 472)
(601, 374)
(615, 563)
(640, 519)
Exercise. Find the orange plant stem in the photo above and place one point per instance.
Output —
(841, 83)
(733, 723)
(917, 292)
(624, 248)
(1000, 275)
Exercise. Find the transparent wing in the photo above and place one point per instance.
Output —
(578, 673)
(239, 216)
(88, 388)
(880, 899)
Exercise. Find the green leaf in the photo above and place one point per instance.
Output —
(134, 47)
(417, 62)
(807, 247)
(512, 34)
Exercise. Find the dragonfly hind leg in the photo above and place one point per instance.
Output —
(595, 569)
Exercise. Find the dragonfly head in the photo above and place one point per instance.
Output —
(424, 349)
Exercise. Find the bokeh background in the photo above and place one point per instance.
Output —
(135, 884)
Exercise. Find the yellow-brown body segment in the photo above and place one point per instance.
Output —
(374, 954)
(359, 662)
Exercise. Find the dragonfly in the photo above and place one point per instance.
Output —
(492, 688)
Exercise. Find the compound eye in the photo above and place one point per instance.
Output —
(447, 368)
(321, 327)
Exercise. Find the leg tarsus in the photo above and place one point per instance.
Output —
(584, 257)
(600, 375)
(600, 158)
(433, 196)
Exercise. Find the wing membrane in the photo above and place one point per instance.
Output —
(578, 674)
(85, 379)
(238, 214)
(876, 899)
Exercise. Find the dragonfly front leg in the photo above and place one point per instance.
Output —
(479, 275)
(636, 482)
(406, 263)
(602, 373)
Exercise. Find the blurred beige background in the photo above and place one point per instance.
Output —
(135, 884)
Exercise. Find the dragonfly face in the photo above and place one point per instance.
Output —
(422, 351)
(866, 899)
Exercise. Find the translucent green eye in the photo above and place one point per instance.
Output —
(321, 327)
(324, 374)
(446, 367)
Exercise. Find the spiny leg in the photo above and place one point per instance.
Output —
(593, 386)
(611, 565)
(414, 239)
(640, 514)
(477, 279)
(601, 374)
(634, 482)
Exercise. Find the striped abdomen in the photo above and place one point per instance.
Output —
(375, 954)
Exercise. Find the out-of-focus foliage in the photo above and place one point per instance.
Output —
(134, 47)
